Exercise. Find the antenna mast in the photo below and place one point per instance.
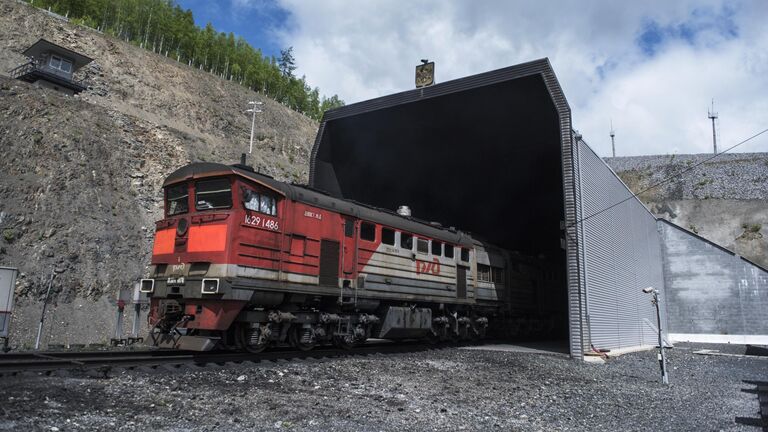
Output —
(613, 141)
(713, 116)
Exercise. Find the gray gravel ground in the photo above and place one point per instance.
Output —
(448, 389)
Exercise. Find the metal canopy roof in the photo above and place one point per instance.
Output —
(483, 153)
(42, 46)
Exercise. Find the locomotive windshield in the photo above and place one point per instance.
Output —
(213, 194)
(177, 199)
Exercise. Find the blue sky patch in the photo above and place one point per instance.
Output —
(653, 35)
(257, 21)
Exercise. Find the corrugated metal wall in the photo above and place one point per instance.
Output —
(620, 255)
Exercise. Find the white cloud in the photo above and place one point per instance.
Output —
(657, 103)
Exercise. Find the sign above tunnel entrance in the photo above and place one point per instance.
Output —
(425, 74)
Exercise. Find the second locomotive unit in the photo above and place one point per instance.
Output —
(241, 260)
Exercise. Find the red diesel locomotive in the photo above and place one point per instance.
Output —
(241, 260)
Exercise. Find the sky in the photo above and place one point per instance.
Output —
(649, 68)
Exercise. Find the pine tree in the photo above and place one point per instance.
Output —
(164, 27)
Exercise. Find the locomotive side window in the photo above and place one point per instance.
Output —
(406, 241)
(262, 203)
(388, 236)
(422, 246)
(483, 273)
(368, 231)
(250, 199)
(498, 275)
(437, 248)
(349, 227)
(213, 194)
(449, 251)
(465, 254)
(177, 199)
(267, 205)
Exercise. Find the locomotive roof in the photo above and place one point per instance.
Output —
(322, 200)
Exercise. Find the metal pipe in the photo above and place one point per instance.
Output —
(42, 316)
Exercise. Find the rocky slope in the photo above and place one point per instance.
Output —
(80, 176)
(158, 89)
(724, 200)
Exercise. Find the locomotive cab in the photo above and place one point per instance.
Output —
(191, 281)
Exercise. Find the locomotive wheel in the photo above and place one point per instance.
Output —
(345, 342)
(302, 338)
(252, 339)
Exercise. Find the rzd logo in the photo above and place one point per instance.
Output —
(428, 267)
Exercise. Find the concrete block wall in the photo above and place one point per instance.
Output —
(712, 294)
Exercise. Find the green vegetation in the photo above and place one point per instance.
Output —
(693, 228)
(165, 28)
(9, 235)
(752, 228)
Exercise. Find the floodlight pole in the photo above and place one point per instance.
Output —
(713, 116)
(254, 111)
(662, 355)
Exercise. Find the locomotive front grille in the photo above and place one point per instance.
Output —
(169, 308)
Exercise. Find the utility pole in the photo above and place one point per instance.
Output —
(613, 141)
(253, 110)
(713, 116)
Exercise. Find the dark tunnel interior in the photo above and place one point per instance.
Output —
(486, 160)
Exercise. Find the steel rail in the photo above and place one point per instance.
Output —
(11, 364)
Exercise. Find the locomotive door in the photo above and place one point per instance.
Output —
(461, 282)
(349, 249)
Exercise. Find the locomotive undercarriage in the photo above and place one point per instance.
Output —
(256, 329)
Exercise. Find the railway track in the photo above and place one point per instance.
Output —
(47, 362)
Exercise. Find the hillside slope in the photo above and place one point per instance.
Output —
(724, 200)
(160, 90)
(80, 176)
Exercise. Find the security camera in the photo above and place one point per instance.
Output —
(648, 290)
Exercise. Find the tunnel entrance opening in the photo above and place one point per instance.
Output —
(479, 154)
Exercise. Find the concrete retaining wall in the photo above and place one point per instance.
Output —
(712, 294)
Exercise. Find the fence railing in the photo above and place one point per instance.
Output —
(32, 66)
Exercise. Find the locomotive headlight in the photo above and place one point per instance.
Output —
(210, 286)
(147, 285)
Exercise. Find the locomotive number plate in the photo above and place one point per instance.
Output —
(262, 222)
(176, 281)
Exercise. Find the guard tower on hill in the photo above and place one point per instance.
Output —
(52, 66)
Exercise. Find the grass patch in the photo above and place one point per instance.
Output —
(752, 228)
(9, 235)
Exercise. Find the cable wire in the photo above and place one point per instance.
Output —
(661, 182)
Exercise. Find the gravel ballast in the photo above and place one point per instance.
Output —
(447, 389)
